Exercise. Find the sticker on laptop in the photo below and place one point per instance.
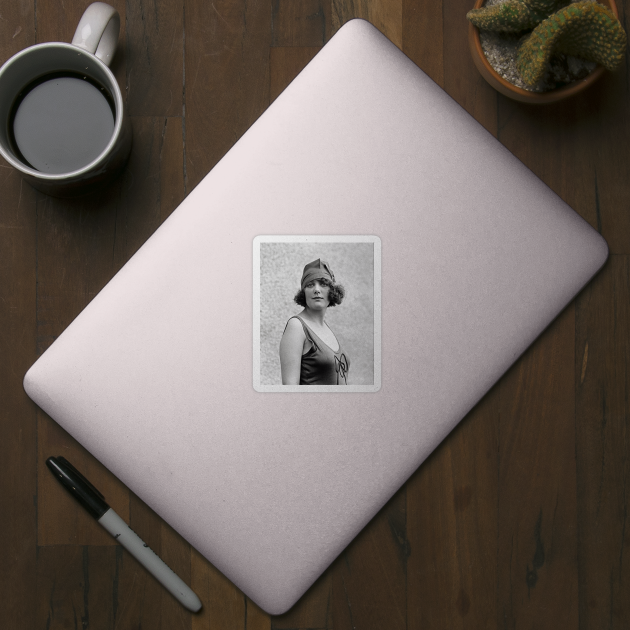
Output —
(317, 314)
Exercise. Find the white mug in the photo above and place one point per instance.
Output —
(62, 114)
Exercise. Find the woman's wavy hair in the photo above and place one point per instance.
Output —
(335, 295)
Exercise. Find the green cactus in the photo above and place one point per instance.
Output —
(584, 29)
(513, 16)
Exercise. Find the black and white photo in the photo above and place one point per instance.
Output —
(317, 313)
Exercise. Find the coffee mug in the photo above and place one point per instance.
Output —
(62, 114)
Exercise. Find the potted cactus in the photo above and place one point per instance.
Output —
(558, 49)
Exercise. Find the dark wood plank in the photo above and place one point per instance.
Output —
(603, 442)
(576, 148)
(171, 159)
(55, 23)
(461, 78)
(570, 146)
(226, 78)
(142, 600)
(285, 64)
(608, 137)
(154, 57)
(608, 125)
(224, 606)
(176, 552)
(566, 148)
(76, 587)
(255, 618)
(300, 23)
(152, 185)
(452, 527)
(313, 609)
(17, 28)
(422, 36)
(369, 577)
(386, 15)
(60, 519)
(18, 415)
(74, 257)
(18, 420)
(558, 147)
(537, 537)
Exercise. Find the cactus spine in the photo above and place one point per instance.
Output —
(583, 29)
(513, 16)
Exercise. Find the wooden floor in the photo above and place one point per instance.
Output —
(518, 520)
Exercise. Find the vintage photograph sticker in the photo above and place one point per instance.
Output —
(317, 314)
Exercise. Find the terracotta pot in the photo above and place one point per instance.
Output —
(518, 94)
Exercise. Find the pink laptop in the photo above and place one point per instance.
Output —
(454, 257)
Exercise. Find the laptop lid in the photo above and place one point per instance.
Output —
(454, 258)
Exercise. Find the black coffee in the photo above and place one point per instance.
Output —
(61, 123)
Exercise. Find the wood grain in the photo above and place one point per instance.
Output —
(574, 150)
(369, 577)
(226, 78)
(151, 187)
(386, 15)
(609, 134)
(224, 606)
(422, 36)
(461, 79)
(61, 521)
(313, 610)
(76, 587)
(452, 516)
(285, 64)
(300, 23)
(154, 58)
(57, 22)
(517, 520)
(144, 600)
(602, 380)
(18, 416)
(537, 536)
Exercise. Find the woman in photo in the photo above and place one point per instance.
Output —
(310, 354)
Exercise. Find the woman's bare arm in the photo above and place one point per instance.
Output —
(291, 348)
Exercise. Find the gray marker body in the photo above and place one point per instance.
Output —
(149, 559)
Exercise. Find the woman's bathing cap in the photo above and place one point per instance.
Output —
(317, 269)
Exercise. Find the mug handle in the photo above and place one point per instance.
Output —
(98, 30)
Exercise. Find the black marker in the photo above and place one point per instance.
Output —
(94, 502)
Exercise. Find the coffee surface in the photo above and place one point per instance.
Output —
(62, 124)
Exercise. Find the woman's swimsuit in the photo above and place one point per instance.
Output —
(321, 365)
